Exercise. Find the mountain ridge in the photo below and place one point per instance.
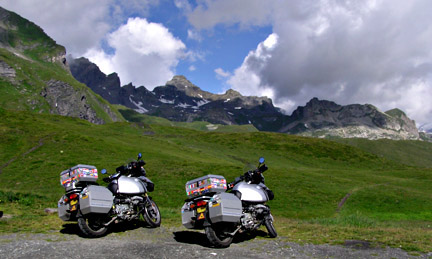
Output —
(181, 100)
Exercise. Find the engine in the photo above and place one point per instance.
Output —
(124, 208)
(124, 211)
(253, 215)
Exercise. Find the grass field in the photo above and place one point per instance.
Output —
(387, 185)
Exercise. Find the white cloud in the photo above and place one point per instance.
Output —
(192, 68)
(145, 53)
(221, 74)
(246, 12)
(246, 79)
(375, 51)
(194, 35)
(184, 5)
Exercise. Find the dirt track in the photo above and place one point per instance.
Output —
(177, 243)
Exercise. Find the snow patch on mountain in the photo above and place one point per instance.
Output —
(140, 108)
(162, 100)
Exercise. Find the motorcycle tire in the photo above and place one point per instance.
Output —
(152, 214)
(218, 235)
(268, 223)
(92, 226)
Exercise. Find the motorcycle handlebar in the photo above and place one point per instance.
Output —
(262, 168)
(121, 169)
(246, 176)
(131, 165)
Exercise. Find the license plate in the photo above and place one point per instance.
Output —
(201, 210)
(73, 205)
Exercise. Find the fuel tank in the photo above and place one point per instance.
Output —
(251, 192)
(130, 185)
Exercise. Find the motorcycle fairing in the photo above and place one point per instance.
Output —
(251, 192)
(130, 185)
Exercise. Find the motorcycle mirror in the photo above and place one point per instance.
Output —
(103, 171)
(261, 160)
(139, 155)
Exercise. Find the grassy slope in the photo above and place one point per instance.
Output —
(134, 116)
(416, 153)
(309, 176)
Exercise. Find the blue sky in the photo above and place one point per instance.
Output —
(371, 51)
(221, 47)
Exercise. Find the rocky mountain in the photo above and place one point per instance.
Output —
(180, 100)
(321, 118)
(34, 75)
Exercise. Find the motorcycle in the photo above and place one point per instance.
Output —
(223, 210)
(95, 207)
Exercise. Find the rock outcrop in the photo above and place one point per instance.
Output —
(65, 100)
(7, 71)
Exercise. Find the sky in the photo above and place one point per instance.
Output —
(373, 51)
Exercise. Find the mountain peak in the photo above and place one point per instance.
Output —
(181, 83)
(315, 105)
(232, 94)
(397, 113)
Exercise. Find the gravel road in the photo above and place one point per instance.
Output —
(177, 243)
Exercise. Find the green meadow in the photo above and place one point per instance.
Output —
(326, 191)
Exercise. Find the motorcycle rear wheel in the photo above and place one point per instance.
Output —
(152, 214)
(268, 223)
(92, 226)
(218, 235)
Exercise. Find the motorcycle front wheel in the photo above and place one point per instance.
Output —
(92, 226)
(152, 214)
(268, 223)
(218, 235)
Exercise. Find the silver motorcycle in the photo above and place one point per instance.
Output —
(96, 207)
(224, 209)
